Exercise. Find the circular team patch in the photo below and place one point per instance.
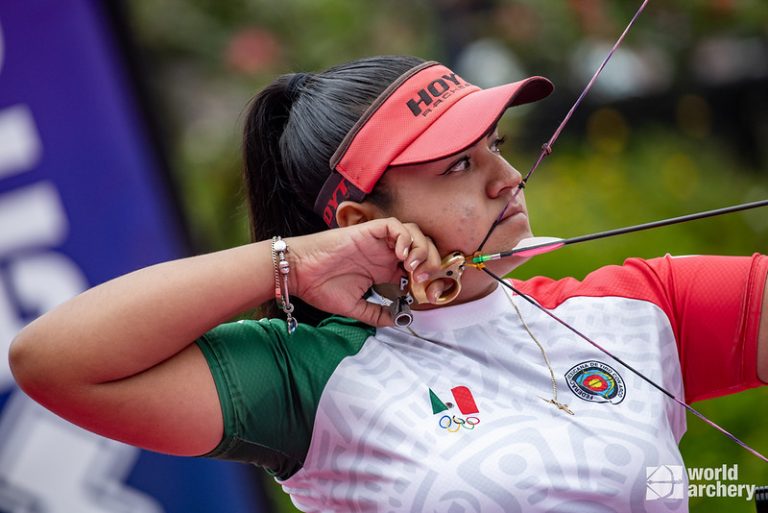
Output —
(596, 382)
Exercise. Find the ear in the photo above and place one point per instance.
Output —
(350, 213)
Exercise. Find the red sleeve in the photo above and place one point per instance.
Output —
(713, 304)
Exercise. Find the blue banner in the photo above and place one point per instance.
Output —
(82, 200)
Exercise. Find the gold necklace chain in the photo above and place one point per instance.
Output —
(553, 400)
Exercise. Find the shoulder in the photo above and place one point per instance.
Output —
(274, 331)
(652, 280)
(679, 285)
(633, 279)
(266, 342)
(259, 369)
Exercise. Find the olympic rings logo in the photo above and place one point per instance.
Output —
(452, 423)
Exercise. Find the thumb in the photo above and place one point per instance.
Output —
(372, 314)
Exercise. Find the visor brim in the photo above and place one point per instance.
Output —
(469, 119)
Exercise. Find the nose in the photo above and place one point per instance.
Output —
(504, 178)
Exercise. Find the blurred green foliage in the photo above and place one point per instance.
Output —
(205, 59)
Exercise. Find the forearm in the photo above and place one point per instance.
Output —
(124, 326)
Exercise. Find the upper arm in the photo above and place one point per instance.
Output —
(715, 304)
(172, 407)
(762, 344)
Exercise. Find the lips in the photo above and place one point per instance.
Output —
(511, 212)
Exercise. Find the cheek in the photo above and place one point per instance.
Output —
(460, 205)
(459, 224)
(454, 224)
(462, 212)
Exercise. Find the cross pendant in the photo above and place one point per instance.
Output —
(560, 406)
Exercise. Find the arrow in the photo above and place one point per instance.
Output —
(533, 246)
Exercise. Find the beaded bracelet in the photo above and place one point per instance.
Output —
(282, 268)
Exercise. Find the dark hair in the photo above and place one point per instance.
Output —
(292, 129)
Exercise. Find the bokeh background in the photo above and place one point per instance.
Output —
(677, 123)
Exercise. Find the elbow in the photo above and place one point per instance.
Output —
(20, 360)
(27, 364)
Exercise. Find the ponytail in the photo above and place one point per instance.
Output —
(273, 209)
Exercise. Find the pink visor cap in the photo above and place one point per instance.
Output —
(427, 114)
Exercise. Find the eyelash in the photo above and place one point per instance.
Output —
(498, 143)
(495, 147)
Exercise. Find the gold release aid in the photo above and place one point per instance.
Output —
(451, 269)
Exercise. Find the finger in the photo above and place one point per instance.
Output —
(403, 245)
(430, 266)
(419, 251)
(398, 237)
(435, 289)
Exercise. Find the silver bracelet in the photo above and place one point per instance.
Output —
(282, 268)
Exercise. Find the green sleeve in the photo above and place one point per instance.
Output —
(269, 384)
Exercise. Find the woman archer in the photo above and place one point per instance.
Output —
(485, 403)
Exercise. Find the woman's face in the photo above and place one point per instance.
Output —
(456, 200)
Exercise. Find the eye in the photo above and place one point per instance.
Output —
(497, 144)
(460, 165)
